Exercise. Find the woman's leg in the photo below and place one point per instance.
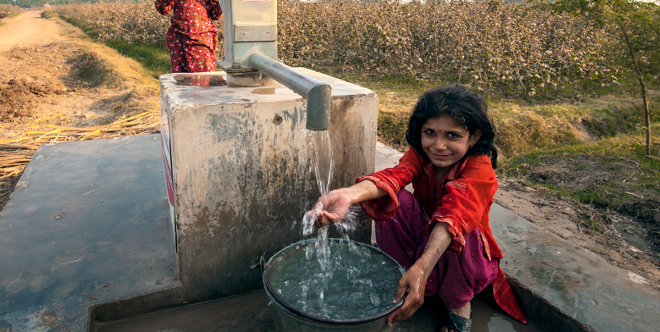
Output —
(458, 276)
(401, 237)
(175, 47)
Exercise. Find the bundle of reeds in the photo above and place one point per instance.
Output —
(15, 153)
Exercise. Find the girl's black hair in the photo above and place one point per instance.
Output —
(465, 107)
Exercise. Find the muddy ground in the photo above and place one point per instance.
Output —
(41, 83)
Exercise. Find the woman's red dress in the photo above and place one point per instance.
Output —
(192, 38)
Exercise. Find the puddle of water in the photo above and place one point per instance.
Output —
(632, 235)
(200, 80)
(487, 317)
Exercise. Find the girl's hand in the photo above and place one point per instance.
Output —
(331, 207)
(334, 206)
(414, 283)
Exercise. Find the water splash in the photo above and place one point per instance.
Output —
(349, 223)
(323, 168)
(327, 261)
(309, 218)
(346, 226)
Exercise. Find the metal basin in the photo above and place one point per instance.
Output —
(332, 285)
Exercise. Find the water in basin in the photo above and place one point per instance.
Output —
(334, 279)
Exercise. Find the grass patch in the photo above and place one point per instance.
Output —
(521, 127)
(392, 129)
(90, 30)
(92, 70)
(153, 58)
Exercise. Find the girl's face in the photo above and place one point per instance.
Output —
(446, 142)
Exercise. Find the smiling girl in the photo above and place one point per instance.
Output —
(440, 233)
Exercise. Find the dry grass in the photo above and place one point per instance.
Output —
(15, 153)
(107, 95)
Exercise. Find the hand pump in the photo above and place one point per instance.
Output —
(250, 30)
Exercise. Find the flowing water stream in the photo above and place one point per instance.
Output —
(335, 279)
(323, 171)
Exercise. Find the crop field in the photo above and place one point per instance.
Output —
(517, 49)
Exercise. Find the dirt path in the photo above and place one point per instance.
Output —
(28, 29)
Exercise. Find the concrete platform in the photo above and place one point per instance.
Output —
(583, 290)
(87, 223)
(252, 312)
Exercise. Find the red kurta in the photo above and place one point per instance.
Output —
(462, 201)
(192, 38)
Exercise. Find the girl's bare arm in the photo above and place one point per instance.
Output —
(414, 280)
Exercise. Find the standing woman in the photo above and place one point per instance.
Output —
(192, 39)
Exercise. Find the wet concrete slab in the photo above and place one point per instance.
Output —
(581, 285)
(87, 223)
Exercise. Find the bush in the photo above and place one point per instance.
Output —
(9, 10)
(48, 13)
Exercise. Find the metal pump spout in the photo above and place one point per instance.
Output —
(314, 91)
(250, 28)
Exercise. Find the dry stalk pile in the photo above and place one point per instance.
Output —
(514, 47)
(15, 153)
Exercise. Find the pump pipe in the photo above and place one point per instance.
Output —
(316, 92)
